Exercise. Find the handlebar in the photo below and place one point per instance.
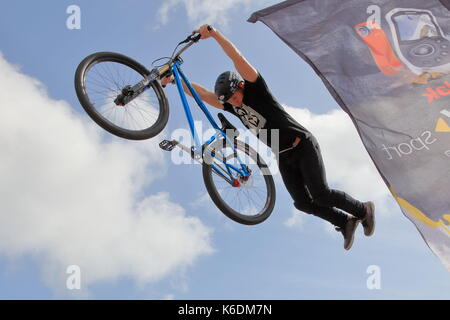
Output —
(194, 38)
(190, 40)
(164, 70)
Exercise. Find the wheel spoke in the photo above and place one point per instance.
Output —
(104, 82)
(250, 197)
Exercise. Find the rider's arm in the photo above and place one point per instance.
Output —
(245, 69)
(204, 94)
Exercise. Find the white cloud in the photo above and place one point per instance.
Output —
(203, 200)
(207, 11)
(68, 198)
(296, 220)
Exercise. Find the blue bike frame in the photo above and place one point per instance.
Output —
(198, 148)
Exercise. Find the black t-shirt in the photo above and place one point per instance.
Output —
(260, 110)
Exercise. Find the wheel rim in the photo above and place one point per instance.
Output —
(104, 80)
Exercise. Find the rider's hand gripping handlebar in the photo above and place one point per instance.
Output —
(165, 70)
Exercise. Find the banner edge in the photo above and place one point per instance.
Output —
(266, 11)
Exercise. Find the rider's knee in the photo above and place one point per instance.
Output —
(322, 198)
(303, 205)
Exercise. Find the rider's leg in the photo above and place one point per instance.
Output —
(313, 171)
(293, 180)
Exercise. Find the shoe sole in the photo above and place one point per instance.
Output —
(372, 212)
(349, 246)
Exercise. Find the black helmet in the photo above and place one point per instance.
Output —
(226, 84)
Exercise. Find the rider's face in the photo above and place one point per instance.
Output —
(237, 98)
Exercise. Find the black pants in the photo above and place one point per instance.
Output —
(303, 173)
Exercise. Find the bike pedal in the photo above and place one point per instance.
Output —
(168, 145)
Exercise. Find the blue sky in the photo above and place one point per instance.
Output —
(290, 256)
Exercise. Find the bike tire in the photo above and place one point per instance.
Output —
(97, 117)
(222, 205)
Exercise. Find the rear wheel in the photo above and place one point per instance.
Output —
(102, 77)
(247, 200)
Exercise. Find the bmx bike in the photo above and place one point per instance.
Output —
(126, 99)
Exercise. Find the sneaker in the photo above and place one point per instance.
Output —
(368, 221)
(349, 232)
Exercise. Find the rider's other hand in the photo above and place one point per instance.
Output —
(166, 80)
(204, 32)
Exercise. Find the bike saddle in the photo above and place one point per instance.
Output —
(226, 125)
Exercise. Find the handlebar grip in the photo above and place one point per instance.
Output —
(196, 38)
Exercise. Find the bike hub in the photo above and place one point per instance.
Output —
(124, 97)
(236, 183)
(246, 182)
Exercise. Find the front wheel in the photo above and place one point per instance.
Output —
(245, 199)
(104, 83)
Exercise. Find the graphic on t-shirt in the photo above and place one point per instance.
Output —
(251, 119)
